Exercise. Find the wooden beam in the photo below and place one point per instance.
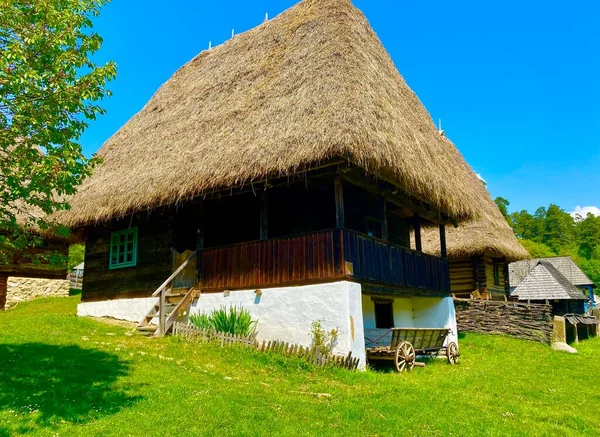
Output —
(443, 249)
(264, 215)
(339, 201)
(3, 291)
(403, 201)
(417, 224)
(384, 221)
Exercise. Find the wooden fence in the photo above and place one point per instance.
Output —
(521, 320)
(75, 281)
(312, 355)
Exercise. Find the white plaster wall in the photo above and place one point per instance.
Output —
(287, 313)
(131, 310)
(417, 312)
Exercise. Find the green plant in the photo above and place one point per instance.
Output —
(234, 320)
(322, 339)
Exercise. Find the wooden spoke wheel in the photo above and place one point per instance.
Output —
(405, 357)
(452, 353)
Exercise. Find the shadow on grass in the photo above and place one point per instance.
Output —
(61, 383)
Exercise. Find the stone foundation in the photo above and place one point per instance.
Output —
(24, 289)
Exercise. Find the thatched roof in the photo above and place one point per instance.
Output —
(488, 235)
(314, 83)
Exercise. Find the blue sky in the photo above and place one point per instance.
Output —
(516, 83)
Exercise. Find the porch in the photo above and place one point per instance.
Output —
(322, 256)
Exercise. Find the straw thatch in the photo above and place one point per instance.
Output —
(488, 235)
(312, 84)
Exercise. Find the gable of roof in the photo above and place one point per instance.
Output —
(543, 282)
(312, 84)
(489, 234)
(564, 264)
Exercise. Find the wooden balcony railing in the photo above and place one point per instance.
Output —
(323, 255)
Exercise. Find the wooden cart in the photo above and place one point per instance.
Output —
(402, 345)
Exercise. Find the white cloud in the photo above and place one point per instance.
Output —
(481, 179)
(583, 211)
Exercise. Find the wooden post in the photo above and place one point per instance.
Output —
(384, 221)
(443, 249)
(161, 314)
(264, 215)
(3, 291)
(417, 223)
(339, 201)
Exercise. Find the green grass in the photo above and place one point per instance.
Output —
(62, 375)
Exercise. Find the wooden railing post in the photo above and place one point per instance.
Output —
(162, 318)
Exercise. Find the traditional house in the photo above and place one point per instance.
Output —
(479, 253)
(46, 260)
(545, 283)
(283, 171)
(564, 264)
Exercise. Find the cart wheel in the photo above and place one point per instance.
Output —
(405, 357)
(452, 353)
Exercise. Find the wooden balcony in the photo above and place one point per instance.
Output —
(322, 256)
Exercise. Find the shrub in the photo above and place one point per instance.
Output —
(322, 339)
(233, 320)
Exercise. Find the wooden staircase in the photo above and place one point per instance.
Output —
(170, 304)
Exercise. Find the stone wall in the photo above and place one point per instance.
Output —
(525, 321)
(23, 289)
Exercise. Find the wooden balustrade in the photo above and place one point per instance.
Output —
(324, 255)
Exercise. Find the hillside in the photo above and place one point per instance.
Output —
(62, 375)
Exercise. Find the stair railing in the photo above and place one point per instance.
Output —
(162, 292)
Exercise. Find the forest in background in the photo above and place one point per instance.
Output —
(552, 231)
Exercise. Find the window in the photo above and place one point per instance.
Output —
(373, 227)
(496, 273)
(384, 314)
(123, 248)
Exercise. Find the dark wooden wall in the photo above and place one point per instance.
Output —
(154, 258)
(476, 273)
(48, 261)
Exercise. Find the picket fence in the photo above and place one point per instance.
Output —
(312, 355)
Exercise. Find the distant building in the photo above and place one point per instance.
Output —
(518, 271)
(545, 283)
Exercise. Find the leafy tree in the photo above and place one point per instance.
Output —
(588, 235)
(503, 205)
(558, 228)
(49, 89)
(76, 255)
(524, 225)
(537, 250)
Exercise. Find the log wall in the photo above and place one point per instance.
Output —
(528, 322)
(154, 258)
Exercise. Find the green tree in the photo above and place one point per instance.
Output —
(49, 90)
(558, 228)
(588, 236)
(76, 255)
(524, 225)
(503, 205)
(537, 250)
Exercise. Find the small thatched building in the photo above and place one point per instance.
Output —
(46, 259)
(292, 162)
(479, 252)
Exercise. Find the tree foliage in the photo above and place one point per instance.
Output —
(49, 91)
(553, 232)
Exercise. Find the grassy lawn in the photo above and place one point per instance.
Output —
(62, 375)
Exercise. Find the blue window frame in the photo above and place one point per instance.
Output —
(123, 248)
